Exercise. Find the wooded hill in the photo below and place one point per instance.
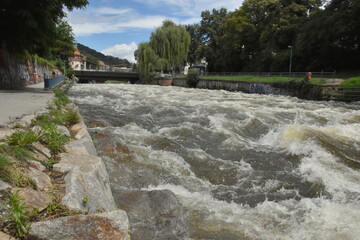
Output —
(109, 60)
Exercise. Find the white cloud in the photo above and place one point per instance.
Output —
(122, 51)
(193, 8)
(110, 20)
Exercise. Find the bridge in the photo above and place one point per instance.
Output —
(102, 76)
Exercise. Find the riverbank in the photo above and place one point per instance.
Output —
(302, 89)
(50, 190)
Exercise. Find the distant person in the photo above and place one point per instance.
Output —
(53, 74)
(308, 76)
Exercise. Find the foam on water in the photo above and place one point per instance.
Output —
(244, 166)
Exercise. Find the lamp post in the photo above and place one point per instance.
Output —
(290, 60)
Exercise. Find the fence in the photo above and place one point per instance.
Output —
(51, 82)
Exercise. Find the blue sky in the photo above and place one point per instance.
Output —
(116, 27)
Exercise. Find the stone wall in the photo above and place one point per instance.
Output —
(295, 89)
(16, 73)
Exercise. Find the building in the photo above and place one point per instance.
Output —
(78, 61)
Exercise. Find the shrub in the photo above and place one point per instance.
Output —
(192, 78)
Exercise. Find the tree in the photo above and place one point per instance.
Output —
(213, 33)
(196, 45)
(63, 46)
(167, 49)
(31, 25)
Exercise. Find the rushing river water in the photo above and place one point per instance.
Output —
(244, 166)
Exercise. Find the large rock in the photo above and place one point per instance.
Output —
(87, 183)
(33, 198)
(83, 140)
(105, 226)
(154, 214)
(42, 180)
(84, 145)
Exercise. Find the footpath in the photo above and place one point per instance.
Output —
(14, 104)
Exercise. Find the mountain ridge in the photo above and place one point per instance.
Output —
(94, 55)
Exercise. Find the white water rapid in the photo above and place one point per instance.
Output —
(244, 166)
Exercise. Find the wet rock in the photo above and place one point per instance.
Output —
(110, 147)
(4, 186)
(42, 180)
(33, 198)
(37, 165)
(154, 214)
(86, 179)
(105, 226)
(4, 236)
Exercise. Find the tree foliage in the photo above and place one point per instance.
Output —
(323, 35)
(35, 26)
(167, 49)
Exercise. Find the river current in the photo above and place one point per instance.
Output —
(244, 166)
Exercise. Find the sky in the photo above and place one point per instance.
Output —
(116, 27)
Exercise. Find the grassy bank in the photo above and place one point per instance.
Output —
(19, 150)
(351, 82)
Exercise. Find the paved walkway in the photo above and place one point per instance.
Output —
(15, 104)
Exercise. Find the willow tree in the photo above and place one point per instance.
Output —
(167, 49)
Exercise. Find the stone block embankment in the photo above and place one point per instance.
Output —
(87, 191)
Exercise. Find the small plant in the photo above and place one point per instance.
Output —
(60, 98)
(20, 153)
(54, 139)
(21, 180)
(71, 117)
(50, 163)
(192, 78)
(22, 138)
(4, 162)
(17, 219)
(85, 200)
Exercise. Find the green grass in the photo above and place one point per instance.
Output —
(17, 219)
(22, 138)
(351, 82)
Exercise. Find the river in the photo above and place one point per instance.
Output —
(244, 166)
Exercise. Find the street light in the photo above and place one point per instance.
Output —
(290, 60)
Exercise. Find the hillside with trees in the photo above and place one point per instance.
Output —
(109, 60)
(259, 36)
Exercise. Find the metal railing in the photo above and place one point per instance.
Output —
(51, 82)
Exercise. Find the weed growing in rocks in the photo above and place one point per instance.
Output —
(22, 138)
(17, 220)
